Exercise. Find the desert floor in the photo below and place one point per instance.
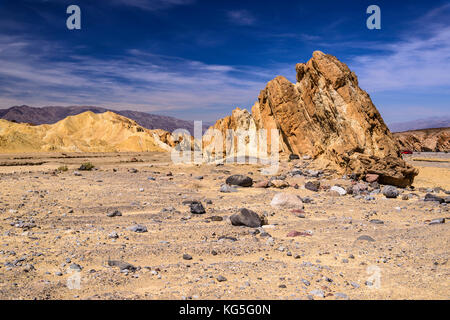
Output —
(54, 224)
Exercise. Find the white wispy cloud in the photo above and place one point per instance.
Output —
(241, 17)
(414, 62)
(137, 80)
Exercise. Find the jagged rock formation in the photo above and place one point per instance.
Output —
(427, 140)
(327, 116)
(86, 132)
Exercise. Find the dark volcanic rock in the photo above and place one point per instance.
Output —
(122, 265)
(247, 218)
(197, 207)
(432, 197)
(239, 180)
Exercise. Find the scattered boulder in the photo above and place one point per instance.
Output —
(247, 218)
(239, 180)
(294, 157)
(390, 192)
(286, 200)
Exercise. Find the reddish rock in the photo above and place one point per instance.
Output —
(297, 234)
(372, 177)
(262, 184)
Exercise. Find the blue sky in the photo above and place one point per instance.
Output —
(198, 59)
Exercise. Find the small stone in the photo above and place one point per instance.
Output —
(197, 207)
(115, 213)
(372, 177)
(312, 186)
(113, 235)
(225, 188)
(437, 221)
(317, 293)
(366, 238)
(262, 184)
(123, 266)
(221, 279)
(341, 295)
(339, 190)
(138, 228)
(187, 256)
(75, 266)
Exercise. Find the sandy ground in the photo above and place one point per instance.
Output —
(51, 221)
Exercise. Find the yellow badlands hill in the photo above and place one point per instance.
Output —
(85, 132)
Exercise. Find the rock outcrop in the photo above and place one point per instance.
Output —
(327, 116)
(86, 132)
(426, 140)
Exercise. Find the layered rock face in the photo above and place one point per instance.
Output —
(327, 116)
(426, 140)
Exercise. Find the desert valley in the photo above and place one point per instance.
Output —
(92, 205)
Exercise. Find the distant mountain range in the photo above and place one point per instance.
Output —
(426, 123)
(50, 115)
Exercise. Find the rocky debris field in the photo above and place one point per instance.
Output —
(136, 226)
